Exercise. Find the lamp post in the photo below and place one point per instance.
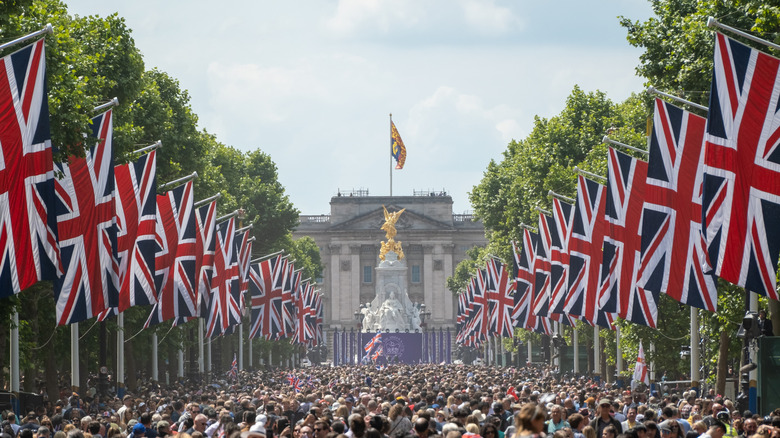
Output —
(424, 314)
(359, 316)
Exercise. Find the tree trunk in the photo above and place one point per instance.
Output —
(52, 385)
(31, 372)
(723, 362)
(130, 367)
(774, 312)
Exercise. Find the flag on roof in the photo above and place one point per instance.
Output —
(397, 149)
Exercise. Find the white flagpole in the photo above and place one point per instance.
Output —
(120, 355)
(155, 365)
(695, 359)
(596, 351)
(619, 354)
(15, 353)
(200, 346)
(46, 30)
(576, 344)
(74, 356)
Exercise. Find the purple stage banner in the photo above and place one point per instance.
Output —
(349, 348)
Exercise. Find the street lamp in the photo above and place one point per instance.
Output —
(359, 315)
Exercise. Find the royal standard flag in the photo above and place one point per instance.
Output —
(398, 149)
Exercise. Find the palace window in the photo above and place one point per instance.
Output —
(368, 274)
(415, 273)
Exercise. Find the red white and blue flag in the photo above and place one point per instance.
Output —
(501, 299)
(265, 288)
(585, 254)
(244, 250)
(224, 307)
(233, 373)
(136, 217)
(542, 266)
(206, 216)
(28, 222)
(673, 249)
(524, 283)
(373, 342)
(559, 259)
(626, 181)
(86, 221)
(741, 194)
(175, 279)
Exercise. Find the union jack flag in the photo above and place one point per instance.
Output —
(28, 224)
(378, 352)
(86, 220)
(206, 216)
(292, 281)
(136, 217)
(673, 247)
(501, 299)
(477, 329)
(266, 292)
(244, 250)
(622, 243)
(559, 257)
(376, 340)
(175, 261)
(541, 301)
(741, 194)
(233, 373)
(304, 308)
(295, 382)
(224, 310)
(318, 319)
(585, 255)
(522, 315)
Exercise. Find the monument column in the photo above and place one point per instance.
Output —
(428, 275)
(449, 270)
(335, 281)
(356, 274)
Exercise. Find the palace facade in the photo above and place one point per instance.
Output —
(434, 241)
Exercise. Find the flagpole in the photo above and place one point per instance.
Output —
(618, 353)
(712, 22)
(46, 30)
(391, 154)
(74, 357)
(201, 354)
(15, 353)
(596, 351)
(155, 364)
(120, 355)
(695, 359)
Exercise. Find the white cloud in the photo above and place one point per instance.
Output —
(437, 18)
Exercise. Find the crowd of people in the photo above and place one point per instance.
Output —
(396, 401)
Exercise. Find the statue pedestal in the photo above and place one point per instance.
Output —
(391, 308)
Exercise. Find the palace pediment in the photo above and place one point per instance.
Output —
(410, 220)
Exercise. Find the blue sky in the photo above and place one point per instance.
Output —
(311, 83)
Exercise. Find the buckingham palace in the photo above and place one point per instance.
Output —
(433, 239)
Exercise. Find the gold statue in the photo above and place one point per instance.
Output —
(390, 232)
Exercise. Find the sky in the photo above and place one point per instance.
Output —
(312, 82)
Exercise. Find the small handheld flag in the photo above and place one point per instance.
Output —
(398, 149)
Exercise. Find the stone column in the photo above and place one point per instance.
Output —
(335, 280)
(449, 270)
(427, 273)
